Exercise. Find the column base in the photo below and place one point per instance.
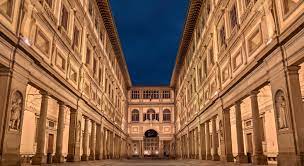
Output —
(84, 157)
(259, 159)
(227, 158)
(98, 156)
(58, 158)
(92, 157)
(204, 157)
(209, 157)
(241, 158)
(216, 157)
(290, 159)
(73, 158)
(39, 159)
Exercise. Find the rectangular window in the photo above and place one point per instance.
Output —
(222, 36)
(88, 57)
(100, 76)
(49, 3)
(73, 75)
(64, 17)
(42, 43)
(166, 94)
(233, 16)
(94, 66)
(211, 56)
(7, 7)
(76, 37)
(135, 94)
(255, 40)
(60, 61)
(290, 5)
(90, 8)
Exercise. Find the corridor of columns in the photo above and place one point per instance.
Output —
(53, 132)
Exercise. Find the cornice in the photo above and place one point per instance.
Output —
(189, 27)
(108, 19)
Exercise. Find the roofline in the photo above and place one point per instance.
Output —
(108, 19)
(194, 9)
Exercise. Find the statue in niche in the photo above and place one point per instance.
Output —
(15, 111)
(268, 9)
(221, 130)
(281, 110)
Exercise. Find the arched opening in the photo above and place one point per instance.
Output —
(151, 115)
(151, 144)
(135, 116)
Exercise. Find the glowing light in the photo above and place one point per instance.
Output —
(26, 41)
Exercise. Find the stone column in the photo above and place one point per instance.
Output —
(105, 144)
(74, 137)
(258, 157)
(85, 140)
(161, 149)
(203, 141)
(227, 152)
(92, 141)
(99, 143)
(208, 145)
(195, 144)
(241, 157)
(188, 145)
(40, 157)
(199, 143)
(215, 156)
(58, 158)
(113, 145)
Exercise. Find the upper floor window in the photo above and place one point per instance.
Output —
(151, 94)
(167, 115)
(233, 16)
(222, 36)
(135, 116)
(94, 66)
(135, 94)
(64, 17)
(76, 36)
(88, 56)
(211, 56)
(90, 7)
(7, 7)
(100, 75)
(151, 115)
(166, 94)
(290, 5)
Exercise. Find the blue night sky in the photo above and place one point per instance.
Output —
(150, 32)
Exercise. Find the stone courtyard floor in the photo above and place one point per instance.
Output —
(148, 163)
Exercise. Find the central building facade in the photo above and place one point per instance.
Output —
(151, 121)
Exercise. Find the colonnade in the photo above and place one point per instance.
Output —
(97, 141)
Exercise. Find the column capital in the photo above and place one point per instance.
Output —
(293, 69)
(61, 103)
(44, 93)
(86, 118)
(238, 103)
(254, 93)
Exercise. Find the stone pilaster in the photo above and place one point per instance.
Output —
(40, 157)
(241, 157)
(58, 157)
(92, 141)
(258, 157)
(85, 140)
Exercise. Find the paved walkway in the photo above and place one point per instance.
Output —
(149, 163)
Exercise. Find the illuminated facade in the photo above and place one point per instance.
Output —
(236, 92)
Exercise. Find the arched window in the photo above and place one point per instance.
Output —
(135, 116)
(167, 115)
(151, 115)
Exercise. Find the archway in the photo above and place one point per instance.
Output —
(151, 144)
